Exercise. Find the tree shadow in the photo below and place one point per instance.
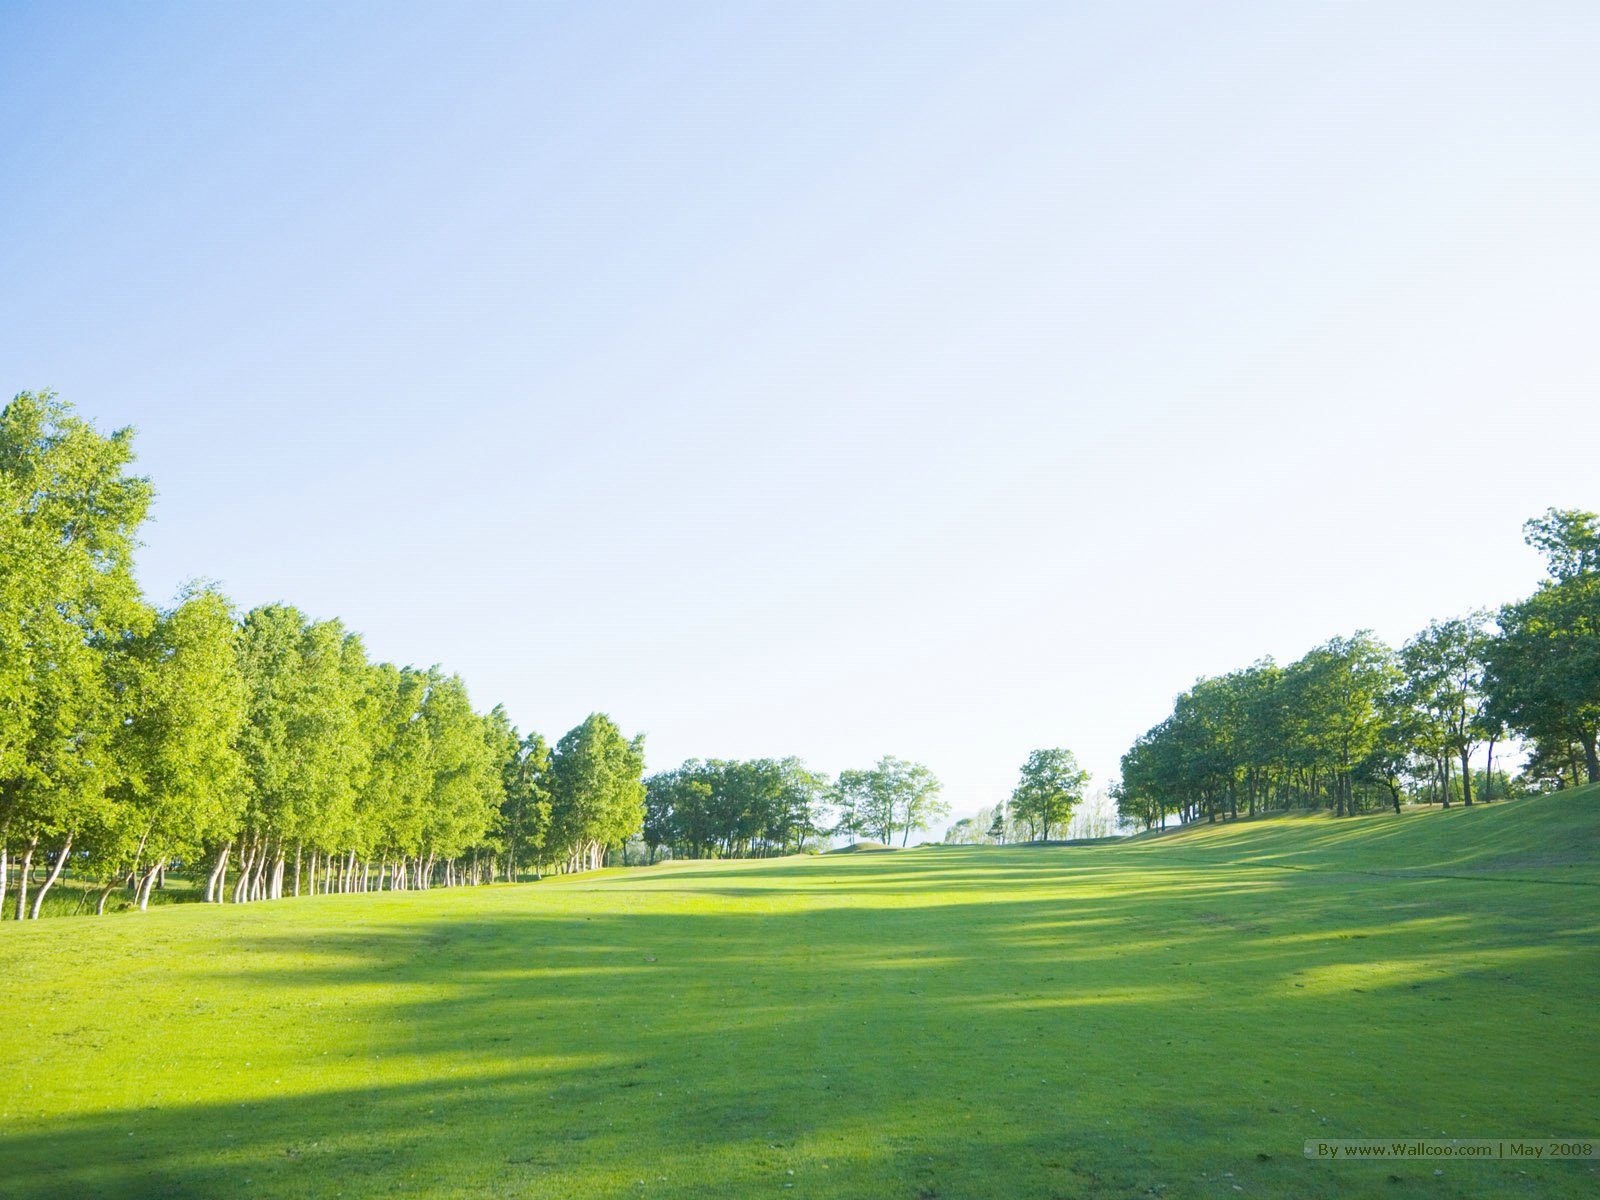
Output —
(1096, 1030)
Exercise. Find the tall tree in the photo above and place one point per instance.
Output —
(1050, 785)
(1543, 670)
(596, 790)
(1348, 682)
(525, 811)
(911, 795)
(1444, 667)
(69, 512)
(184, 769)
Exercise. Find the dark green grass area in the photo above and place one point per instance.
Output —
(1172, 1017)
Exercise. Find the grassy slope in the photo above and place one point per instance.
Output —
(1170, 1017)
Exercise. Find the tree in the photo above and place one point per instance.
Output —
(1348, 681)
(1569, 539)
(863, 806)
(525, 813)
(894, 795)
(1543, 670)
(1444, 667)
(69, 513)
(596, 791)
(910, 794)
(1050, 785)
(184, 770)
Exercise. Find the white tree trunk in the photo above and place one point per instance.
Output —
(22, 879)
(146, 884)
(55, 874)
(218, 876)
(241, 890)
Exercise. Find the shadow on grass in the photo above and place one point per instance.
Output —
(1109, 1031)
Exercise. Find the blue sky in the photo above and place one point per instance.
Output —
(943, 380)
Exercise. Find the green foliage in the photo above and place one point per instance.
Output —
(1544, 668)
(132, 740)
(1051, 784)
(597, 791)
(893, 796)
(1269, 736)
(69, 611)
(184, 770)
(724, 808)
(526, 812)
(1569, 539)
(1444, 689)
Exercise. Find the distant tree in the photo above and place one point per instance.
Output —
(1095, 817)
(525, 810)
(1349, 681)
(1444, 668)
(862, 806)
(1050, 785)
(910, 794)
(962, 833)
(893, 796)
(597, 791)
(976, 830)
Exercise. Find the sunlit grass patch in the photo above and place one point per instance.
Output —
(1170, 1017)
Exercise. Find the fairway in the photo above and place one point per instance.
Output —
(1172, 1016)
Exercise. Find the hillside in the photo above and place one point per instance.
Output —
(1167, 1017)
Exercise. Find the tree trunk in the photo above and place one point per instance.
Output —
(241, 890)
(1488, 775)
(1591, 755)
(146, 884)
(1466, 778)
(55, 874)
(22, 879)
(215, 880)
(258, 887)
(298, 848)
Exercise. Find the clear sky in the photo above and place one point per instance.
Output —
(943, 380)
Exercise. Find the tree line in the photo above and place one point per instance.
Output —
(266, 754)
(762, 807)
(1355, 724)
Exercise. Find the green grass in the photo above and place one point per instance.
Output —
(1171, 1017)
(73, 897)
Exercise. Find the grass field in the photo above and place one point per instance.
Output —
(1170, 1017)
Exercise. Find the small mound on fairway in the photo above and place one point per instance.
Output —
(860, 848)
